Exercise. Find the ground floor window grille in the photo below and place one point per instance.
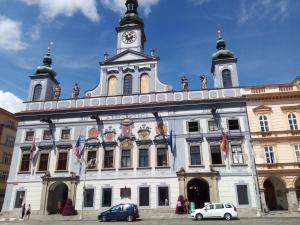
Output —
(163, 196)
(242, 194)
(216, 156)
(144, 196)
(237, 154)
(89, 198)
(106, 197)
(20, 196)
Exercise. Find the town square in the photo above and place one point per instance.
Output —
(98, 126)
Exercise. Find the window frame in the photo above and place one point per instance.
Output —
(293, 122)
(149, 196)
(228, 124)
(241, 154)
(247, 194)
(88, 158)
(44, 135)
(27, 153)
(39, 165)
(264, 123)
(297, 151)
(189, 127)
(37, 92)
(127, 157)
(158, 196)
(85, 195)
(111, 198)
(105, 158)
(269, 154)
(148, 158)
(216, 125)
(67, 161)
(62, 134)
(190, 154)
(167, 156)
(16, 195)
(227, 77)
(127, 87)
(27, 137)
(210, 148)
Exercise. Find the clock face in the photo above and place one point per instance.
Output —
(128, 37)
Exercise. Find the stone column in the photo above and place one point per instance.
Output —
(263, 201)
(182, 190)
(292, 199)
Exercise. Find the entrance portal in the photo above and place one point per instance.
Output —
(57, 192)
(275, 194)
(198, 192)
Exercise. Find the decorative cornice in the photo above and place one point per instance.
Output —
(273, 96)
(291, 108)
(262, 109)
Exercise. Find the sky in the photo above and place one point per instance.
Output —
(263, 34)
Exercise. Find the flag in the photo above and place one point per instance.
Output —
(32, 150)
(224, 144)
(170, 140)
(77, 151)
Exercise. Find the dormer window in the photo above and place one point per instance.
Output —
(193, 126)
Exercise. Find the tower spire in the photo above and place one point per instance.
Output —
(46, 68)
(131, 16)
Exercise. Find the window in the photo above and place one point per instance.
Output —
(226, 77)
(112, 86)
(3, 176)
(6, 159)
(269, 154)
(88, 197)
(127, 89)
(43, 164)
(125, 192)
(219, 206)
(20, 196)
(242, 194)
(37, 92)
(92, 154)
(212, 125)
(163, 196)
(216, 157)
(65, 134)
(237, 154)
(297, 149)
(195, 155)
(144, 196)
(143, 158)
(106, 197)
(10, 124)
(108, 159)
(10, 140)
(29, 136)
(293, 121)
(145, 84)
(228, 206)
(233, 124)
(193, 126)
(25, 162)
(126, 159)
(47, 135)
(209, 207)
(264, 125)
(62, 161)
(162, 157)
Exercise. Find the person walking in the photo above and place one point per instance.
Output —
(59, 207)
(28, 212)
(23, 211)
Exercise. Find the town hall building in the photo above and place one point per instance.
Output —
(141, 141)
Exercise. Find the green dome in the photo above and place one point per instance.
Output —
(222, 52)
(46, 68)
(131, 16)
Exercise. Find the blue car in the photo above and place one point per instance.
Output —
(127, 212)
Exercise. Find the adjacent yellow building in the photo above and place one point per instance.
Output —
(274, 119)
(8, 124)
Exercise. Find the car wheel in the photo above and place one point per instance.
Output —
(103, 219)
(199, 216)
(227, 216)
(129, 218)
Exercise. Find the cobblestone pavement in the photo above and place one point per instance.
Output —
(185, 221)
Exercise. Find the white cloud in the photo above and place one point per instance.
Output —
(119, 5)
(11, 34)
(10, 102)
(50, 9)
(258, 9)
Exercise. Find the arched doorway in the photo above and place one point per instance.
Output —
(275, 194)
(57, 192)
(198, 192)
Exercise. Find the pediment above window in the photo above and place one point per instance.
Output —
(262, 109)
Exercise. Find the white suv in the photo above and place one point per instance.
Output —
(216, 210)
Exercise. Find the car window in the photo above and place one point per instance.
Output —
(228, 205)
(116, 208)
(209, 207)
(219, 206)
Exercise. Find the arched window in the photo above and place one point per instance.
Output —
(293, 121)
(264, 125)
(127, 88)
(145, 84)
(226, 77)
(112, 86)
(37, 92)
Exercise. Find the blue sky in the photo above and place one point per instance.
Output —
(263, 34)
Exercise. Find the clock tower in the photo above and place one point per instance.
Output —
(131, 33)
